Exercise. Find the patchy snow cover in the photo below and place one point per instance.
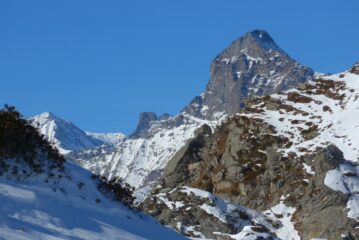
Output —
(308, 169)
(333, 118)
(284, 213)
(222, 209)
(331, 114)
(170, 204)
(336, 125)
(33, 209)
(190, 229)
(198, 192)
(246, 234)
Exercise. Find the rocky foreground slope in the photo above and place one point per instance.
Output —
(290, 157)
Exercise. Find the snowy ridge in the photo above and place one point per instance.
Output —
(63, 134)
(139, 161)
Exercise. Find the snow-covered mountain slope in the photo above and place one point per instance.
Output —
(110, 138)
(139, 161)
(44, 197)
(63, 134)
(70, 209)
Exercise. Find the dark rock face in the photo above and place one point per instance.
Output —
(144, 123)
(252, 65)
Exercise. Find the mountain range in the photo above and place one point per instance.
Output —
(267, 151)
(252, 65)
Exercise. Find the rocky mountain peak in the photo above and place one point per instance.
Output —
(144, 123)
(251, 65)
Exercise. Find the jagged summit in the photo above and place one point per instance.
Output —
(253, 43)
(251, 65)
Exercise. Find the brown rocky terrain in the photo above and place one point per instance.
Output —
(251, 162)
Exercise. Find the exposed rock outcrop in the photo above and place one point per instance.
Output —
(279, 150)
(197, 213)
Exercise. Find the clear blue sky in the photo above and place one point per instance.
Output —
(101, 63)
